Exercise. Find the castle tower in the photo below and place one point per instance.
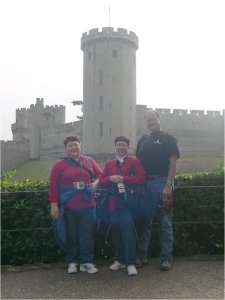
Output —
(42, 117)
(109, 88)
(19, 129)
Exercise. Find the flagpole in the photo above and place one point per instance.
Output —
(109, 15)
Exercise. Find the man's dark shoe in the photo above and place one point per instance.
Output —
(165, 265)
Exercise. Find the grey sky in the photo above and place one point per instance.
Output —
(180, 61)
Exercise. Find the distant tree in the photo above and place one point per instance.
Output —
(78, 103)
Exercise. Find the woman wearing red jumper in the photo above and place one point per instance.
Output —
(125, 169)
(72, 182)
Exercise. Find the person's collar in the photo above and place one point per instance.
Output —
(73, 158)
(121, 159)
(155, 132)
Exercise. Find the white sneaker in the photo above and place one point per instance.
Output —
(72, 268)
(116, 266)
(131, 270)
(88, 267)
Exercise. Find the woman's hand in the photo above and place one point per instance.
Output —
(54, 211)
(116, 178)
(94, 185)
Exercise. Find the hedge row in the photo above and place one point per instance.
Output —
(26, 223)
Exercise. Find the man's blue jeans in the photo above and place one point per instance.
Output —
(165, 233)
(124, 236)
(81, 227)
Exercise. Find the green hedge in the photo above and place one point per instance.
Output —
(26, 222)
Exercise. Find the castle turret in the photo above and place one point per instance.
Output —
(19, 129)
(42, 117)
(109, 88)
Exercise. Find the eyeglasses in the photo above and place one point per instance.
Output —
(119, 144)
(73, 144)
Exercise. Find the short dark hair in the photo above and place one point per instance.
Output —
(122, 138)
(155, 111)
(71, 138)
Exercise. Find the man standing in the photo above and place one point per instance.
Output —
(158, 153)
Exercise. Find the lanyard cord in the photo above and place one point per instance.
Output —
(119, 165)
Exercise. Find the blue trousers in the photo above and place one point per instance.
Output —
(124, 236)
(165, 232)
(81, 227)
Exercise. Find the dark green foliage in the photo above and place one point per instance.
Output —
(26, 221)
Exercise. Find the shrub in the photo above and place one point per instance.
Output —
(26, 223)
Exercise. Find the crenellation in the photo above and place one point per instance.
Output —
(93, 32)
(132, 34)
(164, 111)
(21, 109)
(213, 113)
(108, 30)
(180, 112)
(196, 112)
(109, 33)
(40, 102)
(122, 31)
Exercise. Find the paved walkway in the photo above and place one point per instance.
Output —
(198, 277)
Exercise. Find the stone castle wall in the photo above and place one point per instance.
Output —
(52, 139)
(13, 153)
(198, 134)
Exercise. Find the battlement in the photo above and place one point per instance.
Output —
(54, 107)
(193, 112)
(109, 32)
(21, 109)
(40, 104)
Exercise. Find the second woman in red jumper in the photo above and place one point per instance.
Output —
(119, 172)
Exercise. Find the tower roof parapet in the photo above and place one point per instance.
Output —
(109, 32)
(21, 109)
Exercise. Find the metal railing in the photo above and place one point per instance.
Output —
(98, 190)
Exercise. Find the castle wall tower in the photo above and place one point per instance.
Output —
(42, 117)
(19, 129)
(34, 127)
(109, 88)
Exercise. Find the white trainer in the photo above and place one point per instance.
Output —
(72, 268)
(131, 270)
(116, 266)
(89, 268)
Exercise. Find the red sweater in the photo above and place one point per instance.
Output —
(131, 170)
(63, 173)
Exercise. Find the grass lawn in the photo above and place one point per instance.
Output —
(40, 169)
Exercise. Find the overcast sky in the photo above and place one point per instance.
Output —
(180, 60)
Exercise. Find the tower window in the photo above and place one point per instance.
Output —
(100, 77)
(110, 131)
(114, 53)
(110, 106)
(100, 128)
(100, 103)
